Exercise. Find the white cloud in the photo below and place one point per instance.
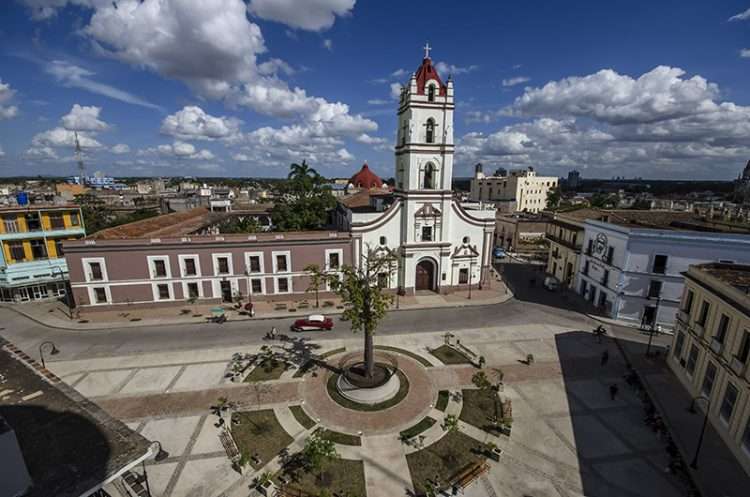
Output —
(344, 155)
(6, 94)
(310, 15)
(660, 124)
(213, 47)
(742, 16)
(71, 75)
(41, 153)
(241, 157)
(273, 67)
(449, 69)
(516, 81)
(396, 90)
(378, 101)
(84, 118)
(2, 152)
(193, 123)
(399, 73)
(328, 44)
(659, 94)
(745, 53)
(61, 137)
(120, 149)
(179, 150)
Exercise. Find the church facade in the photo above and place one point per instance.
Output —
(439, 243)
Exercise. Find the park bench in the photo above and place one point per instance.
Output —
(229, 446)
(469, 475)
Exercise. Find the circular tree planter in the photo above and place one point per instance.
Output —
(355, 385)
(383, 396)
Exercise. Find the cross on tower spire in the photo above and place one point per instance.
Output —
(427, 49)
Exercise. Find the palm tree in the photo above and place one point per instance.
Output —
(302, 171)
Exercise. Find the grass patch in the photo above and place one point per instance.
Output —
(418, 428)
(259, 434)
(302, 418)
(447, 457)
(449, 355)
(424, 362)
(268, 369)
(338, 477)
(338, 437)
(479, 409)
(442, 401)
(403, 389)
(309, 365)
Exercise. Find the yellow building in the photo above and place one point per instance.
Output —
(565, 234)
(32, 264)
(711, 349)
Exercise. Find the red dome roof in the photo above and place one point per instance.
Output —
(366, 179)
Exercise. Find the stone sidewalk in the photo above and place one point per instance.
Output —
(718, 473)
(56, 315)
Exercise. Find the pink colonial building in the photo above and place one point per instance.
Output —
(162, 267)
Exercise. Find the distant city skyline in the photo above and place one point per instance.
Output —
(228, 88)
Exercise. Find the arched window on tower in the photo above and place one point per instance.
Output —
(429, 177)
(431, 93)
(430, 131)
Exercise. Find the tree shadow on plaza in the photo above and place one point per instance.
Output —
(618, 453)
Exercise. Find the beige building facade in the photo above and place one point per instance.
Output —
(711, 349)
(522, 189)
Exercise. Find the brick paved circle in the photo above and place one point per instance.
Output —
(412, 408)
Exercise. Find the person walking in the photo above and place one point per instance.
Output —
(605, 357)
(613, 389)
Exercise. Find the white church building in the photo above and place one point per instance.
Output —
(440, 243)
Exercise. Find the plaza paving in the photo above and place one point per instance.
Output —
(569, 438)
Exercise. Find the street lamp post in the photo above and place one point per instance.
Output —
(67, 298)
(53, 351)
(694, 463)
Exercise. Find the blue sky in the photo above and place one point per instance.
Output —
(233, 88)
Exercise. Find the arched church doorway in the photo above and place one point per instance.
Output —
(425, 277)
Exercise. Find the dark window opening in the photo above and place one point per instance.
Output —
(163, 292)
(16, 251)
(160, 269)
(223, 265)
(96, 270)
(56, 221)
(190, 268)
(431, 93)
(254, 264)
(192, 289)
(333, 261)
(38, 249)
(100, 295)
(430, 131)
(463, 276)
(283, 285)
(654, 289)
(256, 286)
(426, 233)
(660, 264)
(281, 265)
(32, 221)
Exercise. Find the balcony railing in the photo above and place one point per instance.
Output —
(716, 346)
(737, 366)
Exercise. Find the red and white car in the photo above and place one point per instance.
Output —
(313, 322)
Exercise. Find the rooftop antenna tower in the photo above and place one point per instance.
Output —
(79, 159)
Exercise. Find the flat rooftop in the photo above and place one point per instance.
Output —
(69, 444)
(37, 207)
(736, 275)
(668, 220)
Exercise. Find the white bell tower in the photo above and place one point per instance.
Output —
(424, 146)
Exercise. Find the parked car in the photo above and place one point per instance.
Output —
(551, 283)
(313, 322)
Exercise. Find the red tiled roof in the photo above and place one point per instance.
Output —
(365, 178)
(427, 72)
(175, 224)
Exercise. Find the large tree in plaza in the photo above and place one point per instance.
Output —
(365, 301)
(303, 200)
